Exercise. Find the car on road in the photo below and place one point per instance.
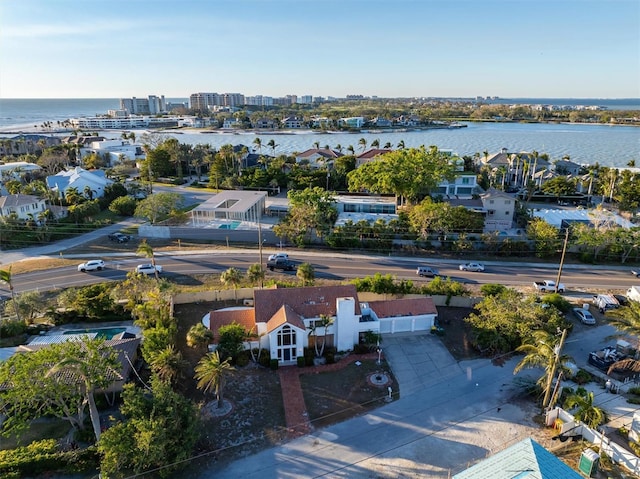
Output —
(281, 263)
(584, 316)
(92, 265)
(275, 256)
(635, 273)
(475, 267)
(148, 269)
(120, 238)
(427, 271)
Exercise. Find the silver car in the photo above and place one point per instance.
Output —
(93, 265)
(475, 267)
(584, 316)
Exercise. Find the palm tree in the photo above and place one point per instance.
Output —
(306, 274)
(199, 336)
(211, 373)
(168, 364)
(88, 192)
(316, 144)
(375, 143)
(543, 351)
(626, 319)
(339, 148)
(232, 276)
(72, 196)
(144, 249)
(351, 149)
(363, 143)
(258, 142)
(272, 145)
(586, 411)
(5, 277)
(401, 144)
(387, 145)
(255, 273)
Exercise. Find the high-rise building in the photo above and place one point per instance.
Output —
(233, 99)
(203, 101)
(144, 106)
(305, 99)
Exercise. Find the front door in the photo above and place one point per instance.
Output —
(287, 344)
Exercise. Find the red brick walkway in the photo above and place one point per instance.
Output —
(295, 411)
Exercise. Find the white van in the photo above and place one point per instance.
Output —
(427, 271)
(605, 302)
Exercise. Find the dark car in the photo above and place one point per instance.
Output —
(119, 238)
(281, 263)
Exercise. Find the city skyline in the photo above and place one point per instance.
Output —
(404, 48)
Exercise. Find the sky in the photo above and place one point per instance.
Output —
(384, 48)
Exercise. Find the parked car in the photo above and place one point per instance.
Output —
(635, 273)
(148, 269)
(427, 271)
(275, 256)
(548, 286)
(92, 265)
(622, 299)
(475, 267)
(120, 237)
(584, 316)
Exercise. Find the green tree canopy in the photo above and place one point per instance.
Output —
(310, 210)
(37, 385)
(159, 206)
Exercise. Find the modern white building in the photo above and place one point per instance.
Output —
(114, 150)
(281, 319)
(356, 208)
(232, 205)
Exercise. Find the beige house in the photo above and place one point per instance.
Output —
(500, 210)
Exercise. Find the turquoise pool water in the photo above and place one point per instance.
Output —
(102, 333)
(230, 226)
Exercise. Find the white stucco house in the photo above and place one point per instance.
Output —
(113, 151)
(80, 179)
(22, 206)
(281, 318)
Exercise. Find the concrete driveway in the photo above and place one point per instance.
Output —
(418, 361)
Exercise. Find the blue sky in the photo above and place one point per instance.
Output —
(393, 48)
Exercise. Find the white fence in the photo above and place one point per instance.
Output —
(567, 424)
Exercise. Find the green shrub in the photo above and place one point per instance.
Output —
(36, 458)
(309, 354)
(243, 358)
(633, 400)
(361, 348)
(558, 301)
(635, 390)
(330, 355)
(10, 328)
(583, 377)
(635, 447)
(301, 361)
(273, 364)
(492, 289)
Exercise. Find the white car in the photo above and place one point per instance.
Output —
(93, 265)
(584, 316)
(476, 267)
(148, 269)
(275, 256)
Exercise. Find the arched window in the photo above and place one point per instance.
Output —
(287, 346)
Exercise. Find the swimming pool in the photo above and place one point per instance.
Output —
(230, 226)
(102, 333)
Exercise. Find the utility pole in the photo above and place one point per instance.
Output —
(564, 250)
(260, 243)
(552, 373)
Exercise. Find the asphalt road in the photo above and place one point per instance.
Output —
(336, 266)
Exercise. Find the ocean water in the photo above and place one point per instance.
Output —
(585, 144)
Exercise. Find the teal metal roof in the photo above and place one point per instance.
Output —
(524, 460)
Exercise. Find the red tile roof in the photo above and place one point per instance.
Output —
(285, 315)
(224, 317)
(403, 307)
(308, 302)
(373, 152)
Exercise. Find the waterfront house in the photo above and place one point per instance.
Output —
(318, 157)
(371, 155)
(281, 319)
(292, 122)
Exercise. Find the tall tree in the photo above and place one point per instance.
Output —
(145, 249)
(212, 373)
(363, 143)
(583, 409)
(233, 277)
(306, 274)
